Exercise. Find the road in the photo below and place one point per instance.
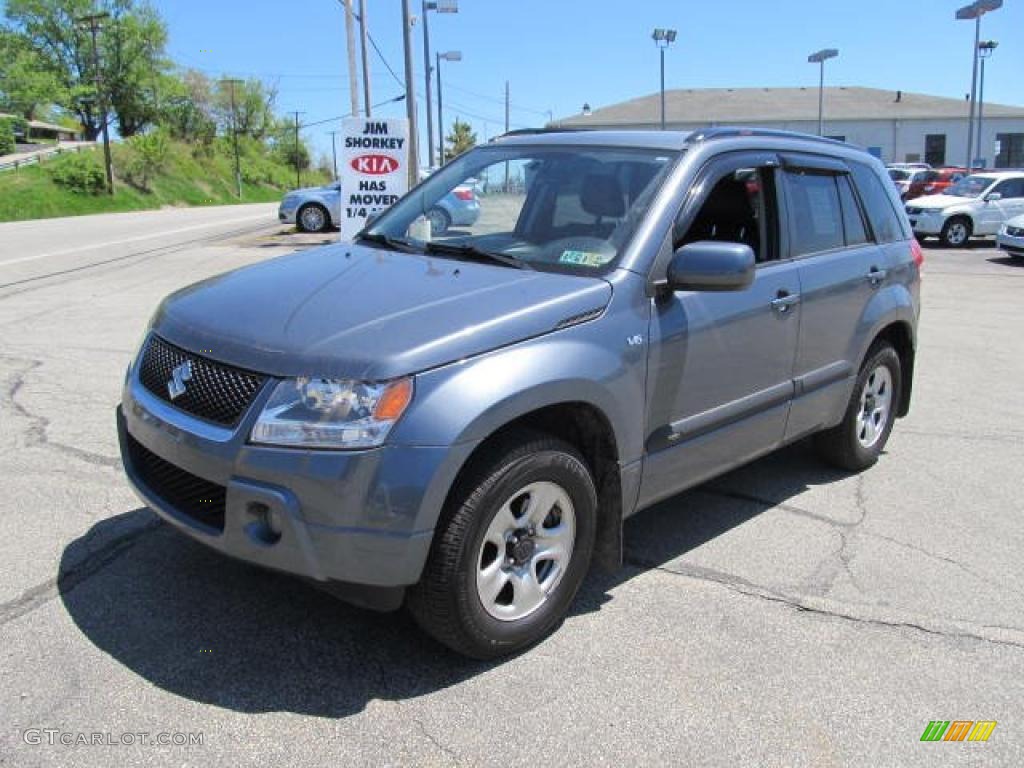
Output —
(784, 614)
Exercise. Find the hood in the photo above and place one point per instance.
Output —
(349, 311)
(309, 191)
(938, 201)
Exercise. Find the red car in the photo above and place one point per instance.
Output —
(934, 182)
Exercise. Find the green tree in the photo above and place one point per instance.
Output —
(7, 145)
(459, 140)
(253, 108)
(147, 155)
(27, 87)
(186, 107)
(131, 51)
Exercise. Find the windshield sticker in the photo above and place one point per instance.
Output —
(585, 258)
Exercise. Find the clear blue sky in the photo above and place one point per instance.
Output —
(558, 54)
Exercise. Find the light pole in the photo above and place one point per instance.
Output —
(819, 58)
(366, 61)
(446, 56)
(441, 6)
(663, 38)
(93, 23)
(975, 11)
(985, 50)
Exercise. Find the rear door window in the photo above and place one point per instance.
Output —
(853, 219)
(815, 212)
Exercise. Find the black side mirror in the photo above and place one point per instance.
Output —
(711, 266)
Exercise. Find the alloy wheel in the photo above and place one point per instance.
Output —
(525, 551)
(875, 407)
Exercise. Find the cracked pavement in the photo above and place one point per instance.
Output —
(784, 614)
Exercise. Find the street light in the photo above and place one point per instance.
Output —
(975, 11)
(819, 58)
(985, 50)
(663, 38)
(441, 6)
(446, 56)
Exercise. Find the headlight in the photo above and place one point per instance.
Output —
(331, 413)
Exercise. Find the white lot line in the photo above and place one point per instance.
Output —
(136, 239)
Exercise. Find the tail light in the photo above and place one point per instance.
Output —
(917, 252)
(463, 194)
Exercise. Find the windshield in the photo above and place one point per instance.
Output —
(970, 186)
(566, 209)
(898, 174)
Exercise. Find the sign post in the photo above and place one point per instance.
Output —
(374, 172)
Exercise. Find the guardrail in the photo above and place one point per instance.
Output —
(37, 158)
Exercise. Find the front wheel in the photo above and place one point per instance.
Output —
(860, 438)
(511, 550)
(313, 218)
(956, 232)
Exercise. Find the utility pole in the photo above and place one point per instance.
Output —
(366, 61)
(298, 170)
(426, 77)
(231, 83)
(507, 104)
(410, 94)
(334, 151)
(353, 75)
(93, 22)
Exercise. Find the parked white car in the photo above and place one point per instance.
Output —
(1011, 237)
(977, 205)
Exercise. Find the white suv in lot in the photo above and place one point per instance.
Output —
(976, 205)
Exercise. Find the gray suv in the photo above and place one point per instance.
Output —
(460, 422)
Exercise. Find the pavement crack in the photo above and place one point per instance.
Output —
(90, 565)
(36, 432)
(946, 630)
(441, 746)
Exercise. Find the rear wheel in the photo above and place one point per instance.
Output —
(956, 232)
(860, 438)
(313, 218)
(511, 550)
(439, 220)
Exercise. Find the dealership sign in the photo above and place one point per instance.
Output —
(374, 168)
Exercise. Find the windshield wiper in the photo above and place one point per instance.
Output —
(395, 243)
(472, 252)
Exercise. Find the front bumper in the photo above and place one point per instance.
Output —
(286, 212)
(358, 517)
(1012, 244)
(924, 224)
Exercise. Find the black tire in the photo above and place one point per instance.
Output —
(841, 445)
(323, 220)
(440, 221)
(951, 232)
(446, 603)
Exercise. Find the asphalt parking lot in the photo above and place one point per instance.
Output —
(785, 614)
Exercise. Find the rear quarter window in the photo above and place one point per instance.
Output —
(886, 223)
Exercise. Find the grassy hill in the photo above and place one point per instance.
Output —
(187, 176)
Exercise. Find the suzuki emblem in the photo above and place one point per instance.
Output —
(181, 374)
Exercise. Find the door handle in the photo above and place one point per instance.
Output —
(875, 276)
(784, 300)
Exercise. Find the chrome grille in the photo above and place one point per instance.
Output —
(212, 391)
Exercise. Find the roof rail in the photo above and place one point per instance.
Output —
(533, 131)
(732, 132)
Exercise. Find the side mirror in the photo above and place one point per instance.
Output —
(992, 197)
(371, 219)
(711, 266)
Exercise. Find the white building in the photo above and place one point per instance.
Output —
(894, 125)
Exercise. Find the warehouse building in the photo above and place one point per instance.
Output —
(895, 126)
